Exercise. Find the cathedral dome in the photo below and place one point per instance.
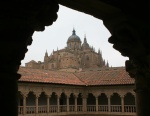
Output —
(74, 37)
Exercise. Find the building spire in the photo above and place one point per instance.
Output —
(85, 41)
(107, 64)
(98, 51)
(46, 54)
(73, 32)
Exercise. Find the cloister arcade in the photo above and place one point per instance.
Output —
(63, 99)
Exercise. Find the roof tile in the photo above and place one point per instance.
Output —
(91, 78)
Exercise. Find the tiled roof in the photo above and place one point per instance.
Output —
(108, 76)
(45, 76)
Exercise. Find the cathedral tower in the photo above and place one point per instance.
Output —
(46, 60)
(85, 45)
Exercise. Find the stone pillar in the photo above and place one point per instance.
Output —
(75, 100)
(19, 20)
(24, 103)
(37, 95)
(48, 103)
(96, 94)
(122, 103)
(84, 102)
(96, 104)
(109, 103)
(58, 103)
(67, 103)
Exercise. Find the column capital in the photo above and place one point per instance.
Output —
(75, 95)
(96, 94)
(108, 94)
(84, 96)
(48, 96)
(37, 94)
(122, 96)
(47, 93)
(24, 94)
(58, 95)
(67, 95)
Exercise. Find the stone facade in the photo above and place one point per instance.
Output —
(76, 56)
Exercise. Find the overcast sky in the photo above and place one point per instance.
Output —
(56, 35)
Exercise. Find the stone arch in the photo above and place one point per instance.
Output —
(115, 99)
(79, 99)
(129, 99)
(115, 102)
(63, 100)
(129, 102)
(71, 99)
(30, 100)
(53, 99)
(103, 102)
(91, 100)
(42, 99)
(102, 99)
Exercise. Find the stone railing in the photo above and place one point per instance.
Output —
(89, 108)
(129, 108)
(71, 108)
(42, 109)
(103, 108)
(53, 109)
(79, 108)
(115, 108)
(30, 110)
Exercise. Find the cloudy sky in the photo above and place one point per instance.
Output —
(56, 35)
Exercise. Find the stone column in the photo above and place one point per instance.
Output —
(96, 104)
(19, 20)
(96, 94)
(84, 102)
(24, 102)
(37, 95)
(109, 103)
(75, 100)
(48, 103)
(67, 102)
(58, 104)
(122, 103)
